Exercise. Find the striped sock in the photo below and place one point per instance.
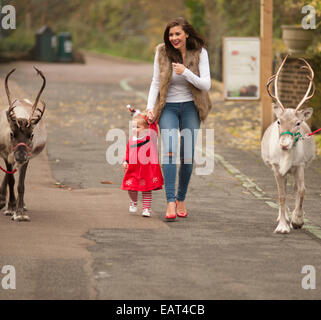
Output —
(147, 199)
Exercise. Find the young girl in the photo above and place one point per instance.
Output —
(142, 170)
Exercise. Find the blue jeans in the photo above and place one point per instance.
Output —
(182, 117)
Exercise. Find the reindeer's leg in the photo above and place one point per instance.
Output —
(283, 226)
(298, 214)
(20, 214)
(11, 209)
(3, 191)
(287, 210)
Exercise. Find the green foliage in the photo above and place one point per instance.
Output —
(298, 4)
(315, 102)
(134, 27)
(19, 41)
(317, 140)
(242, 18)
(196, 14)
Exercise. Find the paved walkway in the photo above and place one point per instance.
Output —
(82, 243)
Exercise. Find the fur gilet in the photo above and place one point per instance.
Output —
(201, 97)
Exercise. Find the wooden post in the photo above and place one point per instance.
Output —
(266, 61)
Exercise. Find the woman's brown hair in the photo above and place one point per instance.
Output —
(193, 42)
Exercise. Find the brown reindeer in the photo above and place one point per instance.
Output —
(22, 136)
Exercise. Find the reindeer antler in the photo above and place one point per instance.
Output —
(275, 78)
(35, 120)
(11, 104)
(311, 85)
(7, 87)
(34, 107)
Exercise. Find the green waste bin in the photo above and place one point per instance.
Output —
(45, 49)
(64, 53)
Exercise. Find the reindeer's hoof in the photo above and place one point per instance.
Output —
(297, 220)
(296, 225)
(20, 217)
(8, 213)
(2, 204)
(282, 228)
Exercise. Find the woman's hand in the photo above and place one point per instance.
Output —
(150, 116)
(125, 165)
(178, 68)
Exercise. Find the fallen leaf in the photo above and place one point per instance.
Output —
(106, 182)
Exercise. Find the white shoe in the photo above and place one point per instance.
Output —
(132, 207)
(146, 213)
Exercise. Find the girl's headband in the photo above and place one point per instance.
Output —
(136, 112)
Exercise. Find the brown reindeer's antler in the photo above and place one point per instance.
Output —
(311, 85)
(7, 88)
(275, 79)
(32, 119)
(11, 104)
(36, 119)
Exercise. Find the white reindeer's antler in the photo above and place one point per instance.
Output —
(311, 85)
(275, 78)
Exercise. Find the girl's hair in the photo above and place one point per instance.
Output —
(194, 41)
(142, 118)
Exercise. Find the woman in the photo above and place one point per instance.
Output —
(178, 100)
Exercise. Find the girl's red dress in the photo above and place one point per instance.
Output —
(143, 173)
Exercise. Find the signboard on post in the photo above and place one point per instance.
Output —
(241, 68)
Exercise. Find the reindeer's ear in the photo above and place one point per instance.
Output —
(277, 110)
(8, 118)
(304, 114)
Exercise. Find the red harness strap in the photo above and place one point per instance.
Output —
(14, 149)
(22, 144)
(8, 172)
(310, 134)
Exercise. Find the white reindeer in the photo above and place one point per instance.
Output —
(286, 149)
(22, 136)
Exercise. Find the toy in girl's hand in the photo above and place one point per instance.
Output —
(134, 112)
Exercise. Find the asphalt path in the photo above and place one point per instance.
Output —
(82, 243)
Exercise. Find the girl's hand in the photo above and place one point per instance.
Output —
(125, 165)
(150, 116)
(178, 68)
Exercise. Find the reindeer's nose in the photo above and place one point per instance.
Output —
(21, 155)
(284, 147)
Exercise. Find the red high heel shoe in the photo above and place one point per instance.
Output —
(181, 214)
(170, 217)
